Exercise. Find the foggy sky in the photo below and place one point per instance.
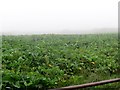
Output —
(58, 16)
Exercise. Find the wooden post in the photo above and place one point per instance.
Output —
(88, 84)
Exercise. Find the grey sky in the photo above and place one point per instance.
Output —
(57, 16)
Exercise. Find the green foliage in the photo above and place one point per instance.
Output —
(52, 61)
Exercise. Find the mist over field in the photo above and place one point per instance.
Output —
(93, 31)
(58, 17)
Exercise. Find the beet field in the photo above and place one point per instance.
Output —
(52, 61)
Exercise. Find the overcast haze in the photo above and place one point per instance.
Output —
(58, 16)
